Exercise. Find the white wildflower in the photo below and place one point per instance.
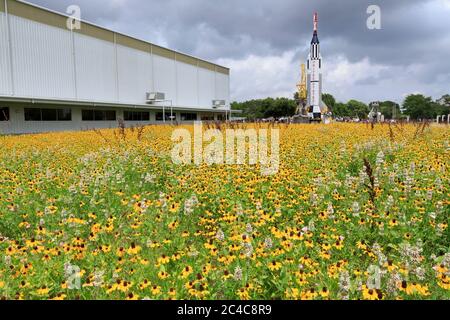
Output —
(149, 178)
(98, 278)
(248, 249)
(238, 273)
(268, 243)
(220, 235)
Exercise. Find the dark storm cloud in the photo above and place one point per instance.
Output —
(413, 31)
(238, 28)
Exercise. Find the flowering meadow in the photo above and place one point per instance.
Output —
(354, 212)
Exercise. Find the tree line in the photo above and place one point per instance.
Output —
(416, 106)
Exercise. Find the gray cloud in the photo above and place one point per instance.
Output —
(414, 39)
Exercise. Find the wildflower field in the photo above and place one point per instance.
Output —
(354, 212)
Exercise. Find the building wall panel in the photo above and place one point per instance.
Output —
(5, 72)
(207, 88)
(95, 69)
(164, 77)
(187, 84)
(135, 75)
(222, 87)
(94, 65)
(42, 60)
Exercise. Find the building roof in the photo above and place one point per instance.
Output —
(46, 16)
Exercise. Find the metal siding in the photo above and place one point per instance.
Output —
(132, 43)
(163, 52)
(206, 65)
(135, 75)
(207, 88)
(42, 60)
(93, 31)
(187, 92)
(165, 77)
(5, 74)
(186, 59)
(50, 62)
(222, 70)
(26, 11)
(95, 69)
(59, 20)
(222, 87)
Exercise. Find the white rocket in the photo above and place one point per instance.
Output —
(314, 80)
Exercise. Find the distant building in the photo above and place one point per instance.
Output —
(53, 78)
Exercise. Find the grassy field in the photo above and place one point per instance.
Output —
(354, 213)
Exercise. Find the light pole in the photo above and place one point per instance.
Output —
(154, 97)
(171, 112)
(220, 104)
(164, 111)
(226, 113)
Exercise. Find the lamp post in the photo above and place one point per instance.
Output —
(164, 110)
(171, 112)
(226, 113)
(220, 104)
(153, 97)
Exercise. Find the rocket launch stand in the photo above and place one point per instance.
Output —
(301, 115)
(375, 114)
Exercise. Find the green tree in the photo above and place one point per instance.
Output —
(236, 105)
(442, 105)
(444, 100)
(280, 107)
(358, 109)
(329, 100)
(266, 108)
(285, 107)
(417, 106)
(390, 109)
(341, 110)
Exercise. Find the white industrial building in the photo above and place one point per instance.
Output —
(55, 78)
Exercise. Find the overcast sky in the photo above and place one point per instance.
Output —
(264, 41)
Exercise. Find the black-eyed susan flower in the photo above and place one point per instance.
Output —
(186, 272)
(274, 265)
(371, 294)
(156, 290)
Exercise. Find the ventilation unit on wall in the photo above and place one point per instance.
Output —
(155, 96)
(218, 103)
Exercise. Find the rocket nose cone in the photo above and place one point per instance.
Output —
(315, 38)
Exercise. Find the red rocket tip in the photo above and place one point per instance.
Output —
(316, 21)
